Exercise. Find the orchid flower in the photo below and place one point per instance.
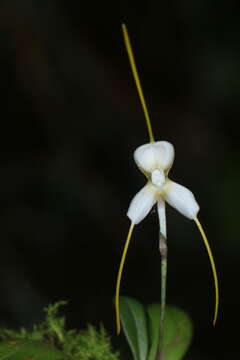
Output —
(155, 160)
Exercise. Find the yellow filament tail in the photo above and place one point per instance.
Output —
(204, 237)
(130, 231)
(137, 80)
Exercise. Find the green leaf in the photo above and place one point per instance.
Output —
(26, 350)
(134, 322)
(178, 331)
(154, 329)
(178, 334)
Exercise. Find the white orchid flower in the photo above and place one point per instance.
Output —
(155, 159)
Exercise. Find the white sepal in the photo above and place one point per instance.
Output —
(142, 203)
(181, 199)
(157, 155)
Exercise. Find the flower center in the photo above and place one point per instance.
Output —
(158, 177)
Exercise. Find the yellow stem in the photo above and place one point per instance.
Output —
(130, 231)
(204, 237)
(137, 80)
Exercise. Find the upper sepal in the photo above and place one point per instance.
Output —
(157, 155)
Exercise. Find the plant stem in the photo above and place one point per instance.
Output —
(163, 253)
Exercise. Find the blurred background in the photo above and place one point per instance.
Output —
(70, 121)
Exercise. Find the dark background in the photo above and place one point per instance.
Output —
(70, 121)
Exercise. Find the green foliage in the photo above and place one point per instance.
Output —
(50, 340)
(178, 332)
(51, 330)
(154, 329)
(142, 327)
(21, 350)
(134, 322)
(90, 344)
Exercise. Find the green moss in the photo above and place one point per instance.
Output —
(88, 344)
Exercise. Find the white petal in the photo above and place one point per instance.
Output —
(142, 203)
(155, 155)
(181, 199)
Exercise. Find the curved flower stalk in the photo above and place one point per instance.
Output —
(155, 160)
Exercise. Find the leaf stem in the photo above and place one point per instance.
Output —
(163, 253)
